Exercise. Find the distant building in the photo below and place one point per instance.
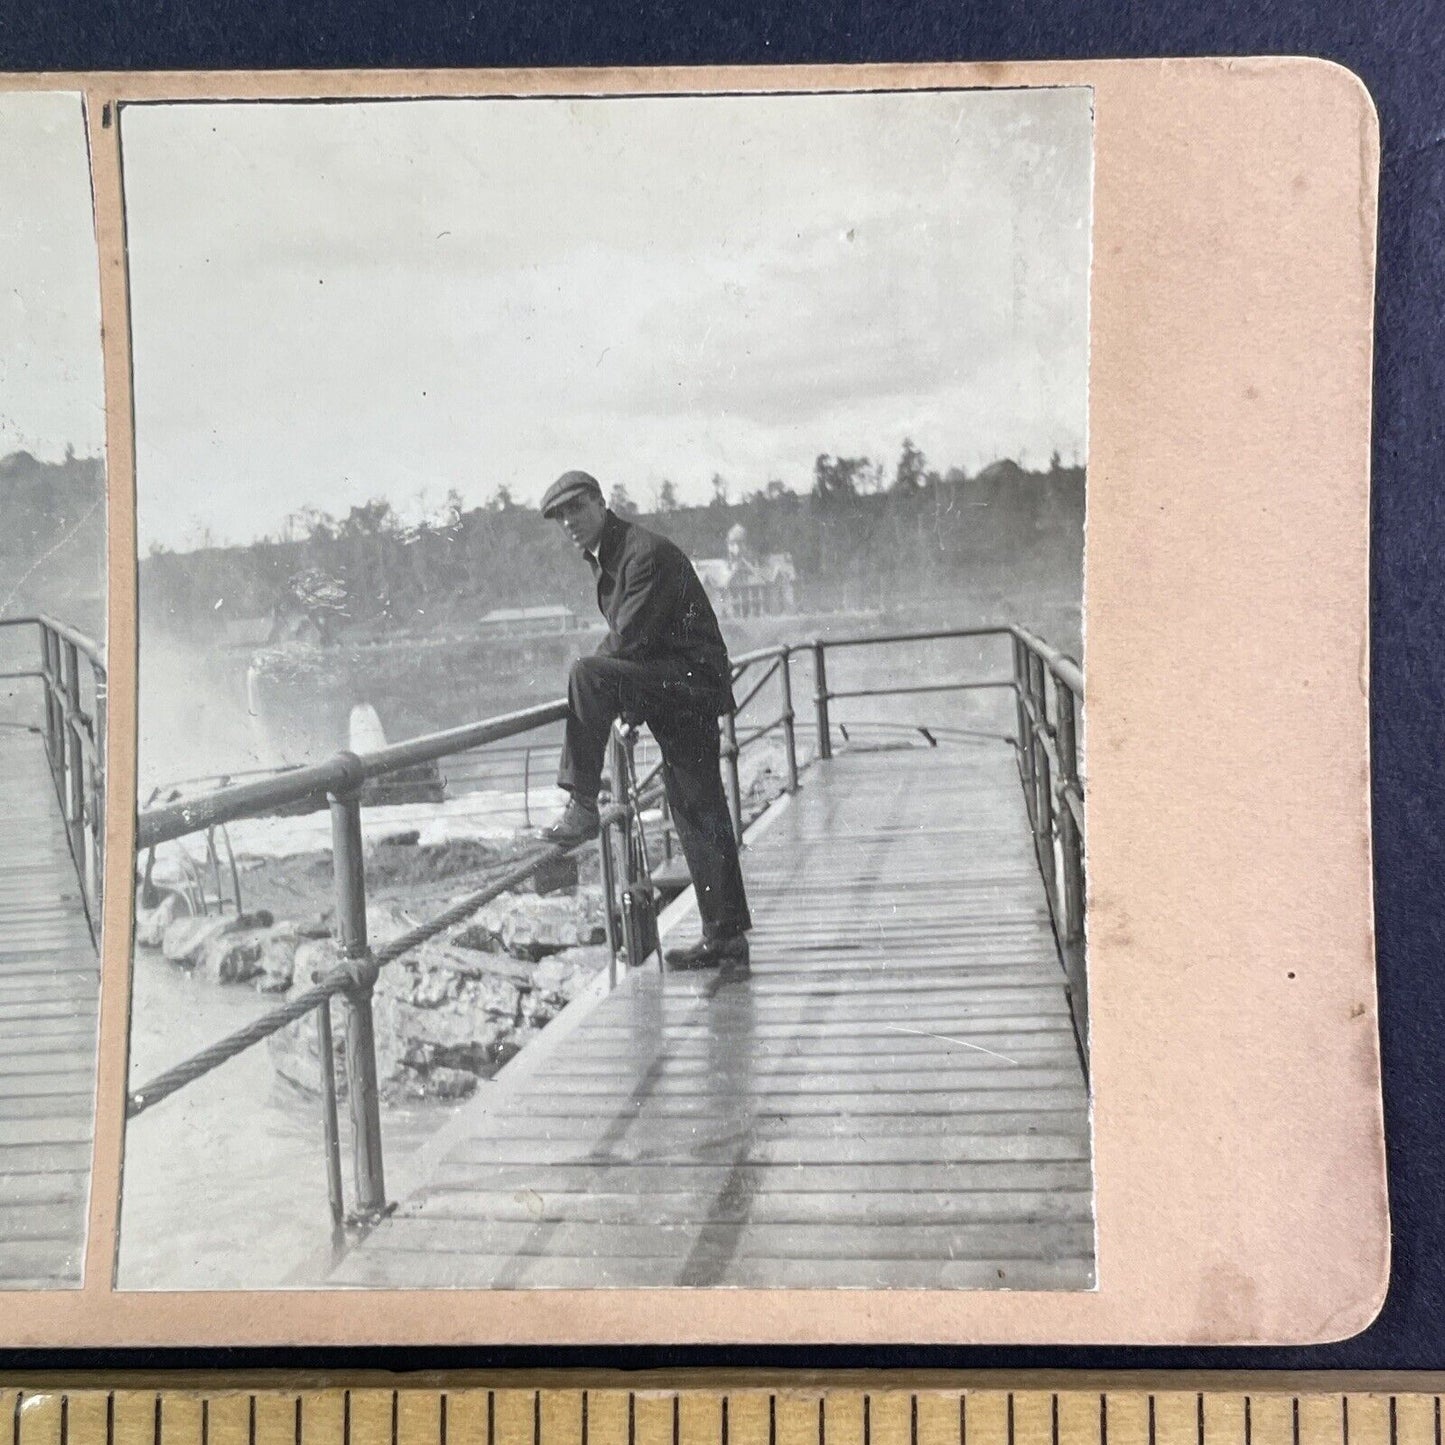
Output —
(528, 621)
(741, 585)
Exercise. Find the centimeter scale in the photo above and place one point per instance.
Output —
(845, 1409)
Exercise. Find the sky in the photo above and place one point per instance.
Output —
(336, 302)
(51, 383)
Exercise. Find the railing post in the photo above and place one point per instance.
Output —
(1072, 847)
(820, 699)
(330, 1133)
(1043, 788)
(99, 726)
(609, 894)
(365, 1100)
(1022, 680)
(790, 741)
(1067, 736)
(74, 761)
(638, 901)
(730, 773)
(616, 765)
(50, 677)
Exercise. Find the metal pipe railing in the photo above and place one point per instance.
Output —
(790, 742)
(1055, 810)
(820, 699)
(190, 815)
(1048, 688)
(74, 743)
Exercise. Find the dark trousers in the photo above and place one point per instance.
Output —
(683, 719)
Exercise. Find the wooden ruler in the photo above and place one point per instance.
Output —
(703, 1409)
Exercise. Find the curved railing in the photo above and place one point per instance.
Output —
(73, 731)
(1046, 739)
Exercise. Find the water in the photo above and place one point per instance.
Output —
(225, 1183)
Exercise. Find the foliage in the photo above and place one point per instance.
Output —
(52, 541)
(856, 542)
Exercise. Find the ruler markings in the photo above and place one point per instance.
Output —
(700, 1418)
(845, 1418)
(1077, 1418)
(816, 1414)
(1271, 1420)
(651, 1417)
(1030, 1418)
(1128, 1416)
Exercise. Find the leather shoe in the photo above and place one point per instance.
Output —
(711, 953)
(578, 824)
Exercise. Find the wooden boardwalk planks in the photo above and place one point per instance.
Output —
(49, 988)
(892, 1096)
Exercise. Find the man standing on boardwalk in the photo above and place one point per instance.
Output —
(663, 662)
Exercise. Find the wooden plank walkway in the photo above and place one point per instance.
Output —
(49, 990)
(892, 1097)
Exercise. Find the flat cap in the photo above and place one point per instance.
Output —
(567, 486)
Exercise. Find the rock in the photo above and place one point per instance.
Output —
(530, 927)
(440, 1082)
(450, 1013)
(185, 938)
(556, 875)
(477, 936)
(407, 838)
(231, 958)
(556, 981)
(151, 923)
(386, 920)
(277, 964)
(313, 958)
(264, 954)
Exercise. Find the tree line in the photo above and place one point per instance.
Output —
(52, 544)
(862, 537)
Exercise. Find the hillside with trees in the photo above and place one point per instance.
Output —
(864, 537)
(52, 544)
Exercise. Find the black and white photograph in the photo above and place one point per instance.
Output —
(52, 687)
(611, 733)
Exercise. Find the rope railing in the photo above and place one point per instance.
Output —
(345, 977)
(1055, 814)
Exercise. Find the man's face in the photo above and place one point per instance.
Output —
(581, 517)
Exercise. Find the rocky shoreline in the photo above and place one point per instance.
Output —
(449, 1013)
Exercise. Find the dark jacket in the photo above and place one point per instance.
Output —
(656, 608)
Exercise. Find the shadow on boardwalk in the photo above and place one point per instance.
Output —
(892, 1097)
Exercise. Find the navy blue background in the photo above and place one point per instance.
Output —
(1399, 51)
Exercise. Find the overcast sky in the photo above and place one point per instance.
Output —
(337, 302)
(51, 387)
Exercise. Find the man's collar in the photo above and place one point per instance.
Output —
(613, 531)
